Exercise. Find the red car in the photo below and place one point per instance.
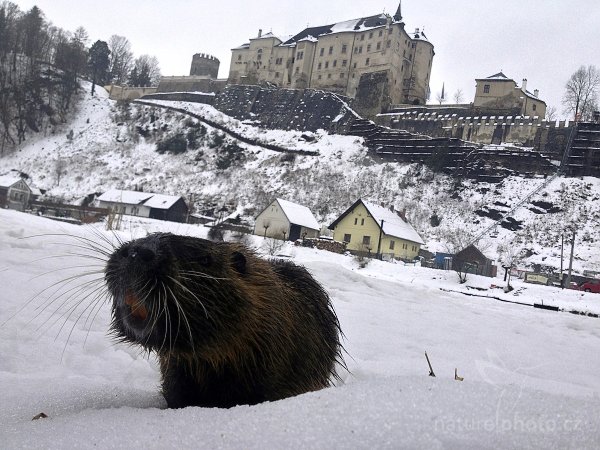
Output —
(591, 286)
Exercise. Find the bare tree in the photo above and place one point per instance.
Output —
(458, 96)
(551, 113)
(121, 58)
(581, 95)
(440, 98)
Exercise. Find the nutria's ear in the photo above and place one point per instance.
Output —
(238, 261)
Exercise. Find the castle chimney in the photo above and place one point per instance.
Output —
(536, 92)
(524, 85)
(259, 32)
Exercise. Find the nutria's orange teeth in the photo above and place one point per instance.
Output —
(138, 309)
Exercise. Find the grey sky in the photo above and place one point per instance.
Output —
(544, 41)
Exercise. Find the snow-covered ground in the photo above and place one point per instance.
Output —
(531, 376)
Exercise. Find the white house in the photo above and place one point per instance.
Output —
(14, 192)
(286, 220)
(145, 204)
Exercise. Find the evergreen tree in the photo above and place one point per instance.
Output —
(99, 63)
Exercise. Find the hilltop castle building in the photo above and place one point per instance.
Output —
(344, 58)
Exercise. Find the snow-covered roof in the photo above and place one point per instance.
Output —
(498, 76)
(8, 180)
(393, 224)
(298, 214)
(161, 201)
(129, 197)
(156, 201)
(353, 26)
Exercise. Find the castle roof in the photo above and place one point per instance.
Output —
(352, 26)
(497, 76)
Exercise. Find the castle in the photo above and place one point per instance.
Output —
(344, 58)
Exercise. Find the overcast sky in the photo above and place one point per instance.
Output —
(544, 41)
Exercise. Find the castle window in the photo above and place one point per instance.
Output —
(367, 62)
(379, 46)
(369, 48)
(342, 75)
(297, 70)
(239, 57)
(486, 88)
(322, 52)
(327, 64)
(344, 63)
(300, 55)
(360, 49)
(389, 43)
(355, 50)
(259, 57)
(344, 48)
(331, 50)
(335, 63)
(320, 76)
(276, 74)
(370, 35)
(362, 37)
(329, 76)
(380, 33)
(319, 66)
(354, 67)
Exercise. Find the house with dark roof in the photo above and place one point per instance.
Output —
(145, 204)
(341, 57)
(472, 260)
(374, 230)
(286, 220)
(498, 92)
(14, 193)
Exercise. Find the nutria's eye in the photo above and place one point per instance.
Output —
(238, 261)
(206, 260)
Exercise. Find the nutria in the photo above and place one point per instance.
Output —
(229, 327)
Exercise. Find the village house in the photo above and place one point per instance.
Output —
(339, 57)
(286, 220)
(144, 204)
(472, 260)
(374, 230)
(499, 92)
(14, 193)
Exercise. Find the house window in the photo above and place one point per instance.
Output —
(135, 210)
(486, 88)
(259, 57)
(366, 240)
(534, 107)
(344, 48)
(362, 221)
(392, 244)
(404, 246)
(344, 63)
(347, 237)
(356, 221)
(331, 50)
(322, 52)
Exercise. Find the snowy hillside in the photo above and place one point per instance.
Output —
(114, 146)
(530, 375)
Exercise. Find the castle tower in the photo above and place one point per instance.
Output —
(398, 15)
(205, 65)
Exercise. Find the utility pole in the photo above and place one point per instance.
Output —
(568, 283)
(379, 243)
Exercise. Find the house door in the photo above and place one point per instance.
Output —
(295, 232)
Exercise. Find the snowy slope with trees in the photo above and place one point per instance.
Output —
(530, 375)
(110, 145)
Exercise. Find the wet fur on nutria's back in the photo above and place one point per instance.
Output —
(229, 327)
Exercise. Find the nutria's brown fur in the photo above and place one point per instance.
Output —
(229, 327)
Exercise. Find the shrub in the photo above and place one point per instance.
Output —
(175, 144)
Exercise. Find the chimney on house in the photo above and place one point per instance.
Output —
(259, 32)
(392, 208)
(536, 92)
(402, 214)
(524, 85)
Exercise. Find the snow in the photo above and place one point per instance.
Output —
(393, 225)
(161, 201)
(8, 180)
(121, 196)
(530, 375)
(298, 214)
